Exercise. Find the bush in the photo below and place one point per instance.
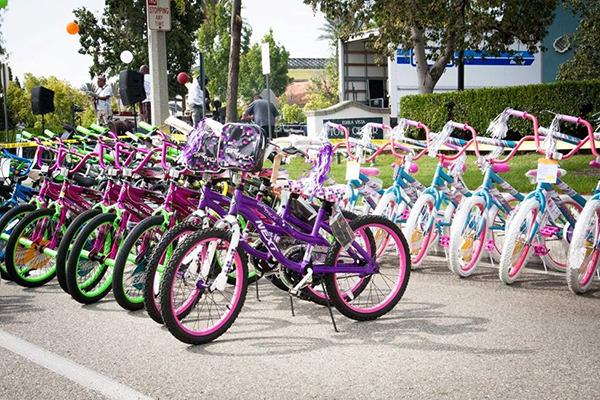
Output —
(292, 113)
(478, 107)
(19, 104)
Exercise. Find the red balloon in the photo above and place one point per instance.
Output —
(72, 28)
(183, 78)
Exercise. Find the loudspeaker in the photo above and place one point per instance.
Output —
(42, 100)
(131, 87)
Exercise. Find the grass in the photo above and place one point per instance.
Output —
(580, 176)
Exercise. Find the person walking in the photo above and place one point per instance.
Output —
(258, 112)
(102, 102)
(146, 109)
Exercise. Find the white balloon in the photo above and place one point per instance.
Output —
(126, 57)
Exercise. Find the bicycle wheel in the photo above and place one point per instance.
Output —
(8, 221)
(29, 259)
(382, 289)
(517, 247)
(66, 242)
(131, 262)
(158, 260)
(467, 236)
(557, 244)
(420, 228)
(195, 309)
(583, 249)
(88, 275)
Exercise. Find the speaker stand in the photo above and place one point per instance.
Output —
(135, 118)
(43, 125)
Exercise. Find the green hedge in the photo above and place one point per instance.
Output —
(480, 106)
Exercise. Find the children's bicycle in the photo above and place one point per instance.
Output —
(358, 284)
(543, 224)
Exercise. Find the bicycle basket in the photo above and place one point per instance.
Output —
(201, 151)
(243, 147)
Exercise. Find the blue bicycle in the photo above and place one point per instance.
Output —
(543, 224)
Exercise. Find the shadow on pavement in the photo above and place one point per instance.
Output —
(15, 306)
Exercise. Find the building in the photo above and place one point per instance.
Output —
(377, 81)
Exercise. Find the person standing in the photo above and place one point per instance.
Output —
(258, 111)
(198, 100)
(146, 109)
(102, 98)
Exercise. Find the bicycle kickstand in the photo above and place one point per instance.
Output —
(329, 307)
(256, 285)
(292, 305)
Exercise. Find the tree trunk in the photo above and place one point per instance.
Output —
(424, 79)
(429, 76)
(234, 61)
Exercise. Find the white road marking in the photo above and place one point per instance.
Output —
(69, 369)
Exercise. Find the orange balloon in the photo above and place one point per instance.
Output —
(72, 28)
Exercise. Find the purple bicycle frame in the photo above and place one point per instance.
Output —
(252, 209)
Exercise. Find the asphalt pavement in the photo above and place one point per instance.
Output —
(448, 338)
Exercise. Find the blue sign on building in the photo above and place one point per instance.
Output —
(473, 57)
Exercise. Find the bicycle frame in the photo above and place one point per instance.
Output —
(270, 226)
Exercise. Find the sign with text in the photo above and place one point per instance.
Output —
(354, 125)
(159, 15)
(265, 58)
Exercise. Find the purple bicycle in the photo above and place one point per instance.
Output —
(198, 301)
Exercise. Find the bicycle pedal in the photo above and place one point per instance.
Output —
(306, 279)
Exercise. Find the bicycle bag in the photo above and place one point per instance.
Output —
(243, 147)
(201, 151)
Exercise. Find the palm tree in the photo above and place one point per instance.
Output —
(335, 29)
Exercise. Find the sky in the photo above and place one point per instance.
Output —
(36, 38)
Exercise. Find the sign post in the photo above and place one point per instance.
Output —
(266, 70)
(159, 22)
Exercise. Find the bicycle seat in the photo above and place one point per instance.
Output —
(332, 193)
(532, 173)
(501, 168)
(369, 171)
(594, 164)
(84, 180)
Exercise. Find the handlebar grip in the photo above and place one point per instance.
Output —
(98, 129)
(569, 118)
(85, 131)
(50, 134)
(516, 113)
(457, 125)
(147, 127)
(26, 135)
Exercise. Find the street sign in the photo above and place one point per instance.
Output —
(159, 15)
(266, 59)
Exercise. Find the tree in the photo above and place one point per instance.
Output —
(122, 26)
(325, 87)
(585, 63)
(214, 40)
(235, 48)
(65, 95)
(435, 30)
(292, 113)
(252, 79)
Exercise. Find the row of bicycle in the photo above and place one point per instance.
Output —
(552, 222)
(184, 229)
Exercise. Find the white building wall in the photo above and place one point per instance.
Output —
(403, 78)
